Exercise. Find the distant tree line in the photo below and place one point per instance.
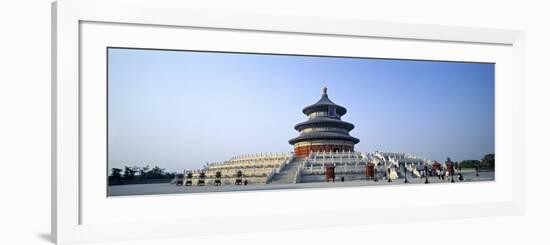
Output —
(488, 161)
(137, 173)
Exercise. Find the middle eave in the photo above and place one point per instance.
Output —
(324, 121)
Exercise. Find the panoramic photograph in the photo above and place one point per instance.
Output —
(185, 121)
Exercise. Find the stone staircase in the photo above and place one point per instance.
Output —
(288, 174)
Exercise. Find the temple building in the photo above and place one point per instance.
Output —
(324, 144)
(324, 131)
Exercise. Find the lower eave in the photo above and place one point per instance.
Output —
(323, 136)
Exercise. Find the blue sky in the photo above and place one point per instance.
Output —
(181, 109)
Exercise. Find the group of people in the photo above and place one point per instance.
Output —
(445, 174)
(180, 179)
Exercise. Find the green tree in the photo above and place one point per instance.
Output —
(143, 172)
(488, 161)
(469, 163)
(115, 174)
(156, 173)
(130, 172)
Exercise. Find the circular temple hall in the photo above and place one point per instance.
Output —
(324, 130)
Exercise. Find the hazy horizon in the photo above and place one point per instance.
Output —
(181, 109)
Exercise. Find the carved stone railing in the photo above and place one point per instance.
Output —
(270, 176)
(298, 176)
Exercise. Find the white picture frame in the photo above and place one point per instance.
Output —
(71, 196)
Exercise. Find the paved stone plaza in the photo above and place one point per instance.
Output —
(153, 189)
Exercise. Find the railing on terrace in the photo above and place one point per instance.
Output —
(262, 155)
(298, 176)
(254, 159)
(270, 176)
